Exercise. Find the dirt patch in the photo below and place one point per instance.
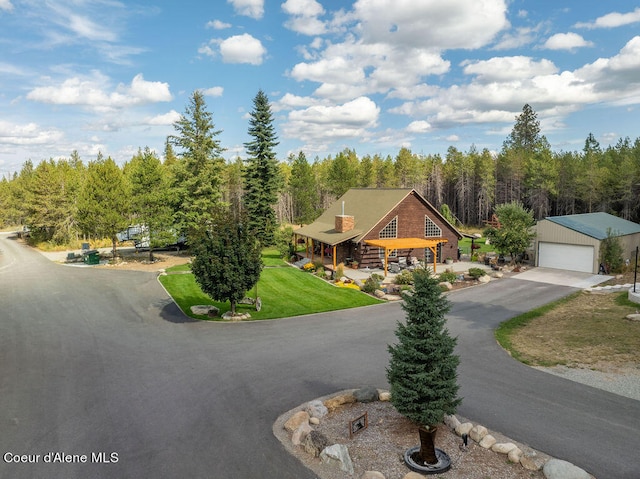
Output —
(140, 261)
(588, 330)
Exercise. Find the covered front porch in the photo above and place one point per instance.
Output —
(397, 244)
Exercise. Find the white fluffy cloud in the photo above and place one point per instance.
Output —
(168, 118)
(27, 134)
(566, 41)
(613, 20)
(508, 68)
(304, 16)
(242, 49)
(218, 25)
(213, 91)
(249, 8)
(93, 93)
(6, 5)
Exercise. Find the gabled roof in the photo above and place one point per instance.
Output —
(596, 225)
(367, 205)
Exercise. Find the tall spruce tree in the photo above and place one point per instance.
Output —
(422, 371)
(197, 173)
(227, 257)
(303, 190)
(261, 176)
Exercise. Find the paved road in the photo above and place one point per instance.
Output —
(93, 360)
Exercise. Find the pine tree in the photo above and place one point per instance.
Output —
(227, 258)
(197, 173)
(150, 198)
(304, 193)
(104, 202)
(422, 371)
(261, 177)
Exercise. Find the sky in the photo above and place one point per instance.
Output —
(370, 75)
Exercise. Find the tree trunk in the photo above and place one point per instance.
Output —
(427, 444)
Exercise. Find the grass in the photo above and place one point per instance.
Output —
(580, 330)
(284, 291)
(465, 245)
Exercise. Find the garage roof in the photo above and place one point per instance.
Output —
(596, 225)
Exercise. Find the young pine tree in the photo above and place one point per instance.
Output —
(422, 371)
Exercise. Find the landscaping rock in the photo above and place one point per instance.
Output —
(464, 428)
(315, 443)
(446, 285)
(366, 394)
(314, 420)
(300, 434)
(503, 447)
(487, 442)
(294, 422)
(235, 317)
(451, 421)
(378, 293)
(338, 401)
(338, 454)
(514, 455)
(358, 283)
(484, 279)
(558, 469)
(205, 309)
(498, 274)
(413, 475)
(478, 432)
(384, 396)
(531, 461)
(633, 317)
(317, 409)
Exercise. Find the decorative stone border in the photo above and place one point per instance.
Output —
(298, 427)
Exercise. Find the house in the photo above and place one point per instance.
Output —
(572, 242)
(373, 227)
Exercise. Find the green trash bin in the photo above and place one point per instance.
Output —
(92, 257)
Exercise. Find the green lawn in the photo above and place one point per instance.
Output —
(284, 291)
(465, 245)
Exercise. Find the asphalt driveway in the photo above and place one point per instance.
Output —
(95, 361)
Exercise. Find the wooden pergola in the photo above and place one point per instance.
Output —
(389, 244)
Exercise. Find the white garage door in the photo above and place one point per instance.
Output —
(566, 256)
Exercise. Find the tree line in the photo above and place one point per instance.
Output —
(64, 200)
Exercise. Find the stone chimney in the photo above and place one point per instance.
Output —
(344, 222)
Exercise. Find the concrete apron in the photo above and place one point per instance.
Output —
(561, 277)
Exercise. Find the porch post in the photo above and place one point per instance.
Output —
(386, 260)
(312, 250)
(435, 258)
(335, 266)
(322, 253)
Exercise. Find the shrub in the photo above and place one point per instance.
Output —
(320, 272)
(448, 276)
(404, 277)
(309, 267)
(475, 273)
(372, 283)
(340, 270)
(283, 238)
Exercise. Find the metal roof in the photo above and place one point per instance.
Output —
(367, 205)
(596, 225)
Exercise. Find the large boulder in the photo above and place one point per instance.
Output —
(366, 394)
(558, 469)
(315, 443)
(300, 434)
(317, 409)
(464, 428)
(503, 447)
(532, 461)
(293, 423)
(338, 454)
(478, 432)
(339, 400)
(487, 442)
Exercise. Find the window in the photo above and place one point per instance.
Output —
(389, 231)
(431, 230)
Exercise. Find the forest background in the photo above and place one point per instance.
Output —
(55, 198)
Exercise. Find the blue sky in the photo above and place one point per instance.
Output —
(372, 75)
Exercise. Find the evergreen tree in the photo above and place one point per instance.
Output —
(515, 233)
(149, 198)
(197, 173)
(104, 202)
(227, 257)
(422, 370)
(262, 179)
(304, 193)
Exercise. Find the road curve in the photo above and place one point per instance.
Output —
(95, 362)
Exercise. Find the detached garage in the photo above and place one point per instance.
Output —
(572, 242)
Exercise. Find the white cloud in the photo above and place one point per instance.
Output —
(27, 134)
(304, 16)
(515, 39)
(242, 49)
(213, 91)
(566, 41)
(320, 123)
(508, 68)
(612, 20)
(453, 138)
(218, 25)
(166, 119)
(419, 126)
(92, 92)
(249, 8)
(6, 5)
